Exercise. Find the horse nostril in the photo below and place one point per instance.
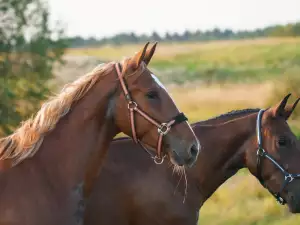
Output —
(194, 151)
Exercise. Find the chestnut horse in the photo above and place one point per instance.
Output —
(47, 166)
(142, 194)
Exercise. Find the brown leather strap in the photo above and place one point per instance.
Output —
(133, 125)
(163, 128)
(159, 144)
(147, 117)
(121, 75)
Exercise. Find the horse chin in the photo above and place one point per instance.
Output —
(174, 159)
(172, 156)
(293, 202)
(294, 209)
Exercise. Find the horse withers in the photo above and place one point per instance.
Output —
(143, 194)
(49, 164)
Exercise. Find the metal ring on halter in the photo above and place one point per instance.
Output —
(132, 105)
(261, 152)
(289, 178)
(163, 129)
(279, 199)
(155, 159)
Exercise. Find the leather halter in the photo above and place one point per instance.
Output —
(162, 128)
(261, 153)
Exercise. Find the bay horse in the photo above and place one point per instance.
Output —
(142, 194)
(48, 165)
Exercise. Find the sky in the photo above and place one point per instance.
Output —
(103, 18)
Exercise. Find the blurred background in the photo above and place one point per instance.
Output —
(214, 56)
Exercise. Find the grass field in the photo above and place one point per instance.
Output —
(212, 78)
(233, 61)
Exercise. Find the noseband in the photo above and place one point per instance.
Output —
(162, 128)
(261, 154)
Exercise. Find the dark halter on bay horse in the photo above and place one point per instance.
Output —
(162, 128)
(261, 154)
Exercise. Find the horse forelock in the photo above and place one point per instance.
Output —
(27, 139)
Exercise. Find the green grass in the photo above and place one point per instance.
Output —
(242, 201)
(223, 61)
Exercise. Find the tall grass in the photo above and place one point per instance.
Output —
(221, 61)
(243, 201)
(289, 83)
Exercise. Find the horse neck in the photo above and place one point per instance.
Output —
(69, 151)
(223, 153)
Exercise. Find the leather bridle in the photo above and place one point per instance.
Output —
(261, 154)
(162, 128)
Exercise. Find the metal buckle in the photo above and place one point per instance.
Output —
(163, 129)
(132, 105)
(158, 160)
(289, 178)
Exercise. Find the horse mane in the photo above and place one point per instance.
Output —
(27, 139)
(239, 112)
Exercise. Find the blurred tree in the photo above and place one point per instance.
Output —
(155, 36)
(29, 50)
(292, 29)
(187, 35)
(133, 38)
(296, 29)
(168, 37)
(228, 33)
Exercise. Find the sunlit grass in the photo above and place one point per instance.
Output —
(242, 201)
(168, 51)
(201, 102)
(234, 61)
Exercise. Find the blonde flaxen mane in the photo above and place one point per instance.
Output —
(27, 139)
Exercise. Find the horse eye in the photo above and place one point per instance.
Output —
(282, 141)
(152, 95)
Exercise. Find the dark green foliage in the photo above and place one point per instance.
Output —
(28, 52)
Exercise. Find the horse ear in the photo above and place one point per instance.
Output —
(279, 109)
(290, 108)
(150, 53)
(138, 58)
